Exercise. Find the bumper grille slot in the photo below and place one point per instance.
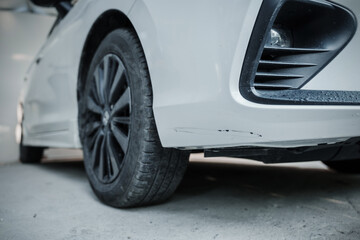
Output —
(274, 76)
(286, 68)
(291, 51)
(269, 65)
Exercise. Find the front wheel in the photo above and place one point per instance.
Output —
(124, 160)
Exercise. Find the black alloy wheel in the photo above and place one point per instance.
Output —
(109, 107)
(124, 160)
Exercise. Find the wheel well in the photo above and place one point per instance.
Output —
(106, 23)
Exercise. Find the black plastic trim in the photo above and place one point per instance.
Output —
(348, 150)
(265, 20)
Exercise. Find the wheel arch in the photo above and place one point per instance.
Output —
(103, 25)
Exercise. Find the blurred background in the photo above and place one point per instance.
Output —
(23, 29)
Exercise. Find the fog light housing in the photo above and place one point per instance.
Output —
(279, 38)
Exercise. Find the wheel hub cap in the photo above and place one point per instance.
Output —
(106, 118)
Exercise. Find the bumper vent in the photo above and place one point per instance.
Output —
(286, 68)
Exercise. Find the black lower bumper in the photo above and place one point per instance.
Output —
(349, 150)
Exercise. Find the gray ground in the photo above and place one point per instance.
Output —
(229, 200)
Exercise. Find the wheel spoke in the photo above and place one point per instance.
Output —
(102, 159)
(118, 82)
(98, 75)
(94, 95)
(92, 141)
(93, 106)
(121, 138)
(123, 101)
(106, 79)
(112, 155)
(121, 120)
(95, 145)
(91, 127)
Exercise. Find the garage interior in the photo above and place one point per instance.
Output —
(219, 198)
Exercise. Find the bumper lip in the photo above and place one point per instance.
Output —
(266, 17)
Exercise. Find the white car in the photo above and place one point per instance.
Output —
(139, 84)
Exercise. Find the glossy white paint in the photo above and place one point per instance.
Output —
(50, 104)
(195, 51)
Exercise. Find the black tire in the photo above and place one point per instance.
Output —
(345, 166)
(29, 154)
(139, 172)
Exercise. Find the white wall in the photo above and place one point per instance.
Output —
(21, 36)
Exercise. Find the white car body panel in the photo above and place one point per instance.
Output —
(50, 103)
(195, 51)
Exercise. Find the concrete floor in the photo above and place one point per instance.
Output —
(228, 200)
